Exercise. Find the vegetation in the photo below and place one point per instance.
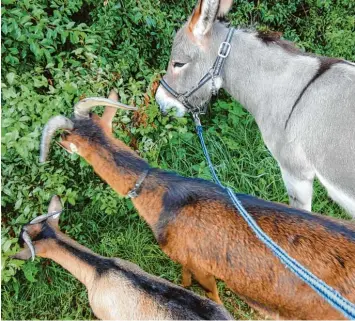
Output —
(55, 52)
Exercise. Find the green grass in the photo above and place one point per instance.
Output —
(54, 294)
(53, 53)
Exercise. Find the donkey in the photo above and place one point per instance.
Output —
(303, 104)
(117, 289)
(196, 224)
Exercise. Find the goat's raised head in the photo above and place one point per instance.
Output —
(36, 234)
(73, 139)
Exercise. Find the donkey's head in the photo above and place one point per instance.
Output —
(194, 50)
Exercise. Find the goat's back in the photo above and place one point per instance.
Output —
(127, 292)
(210, 236)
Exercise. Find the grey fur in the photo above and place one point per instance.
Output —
(304, 105)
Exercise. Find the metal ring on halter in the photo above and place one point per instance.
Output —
(220, 54)
(214, 88)
(181, 98)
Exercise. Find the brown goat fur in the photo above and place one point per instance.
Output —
(195, 224)
(117, 289)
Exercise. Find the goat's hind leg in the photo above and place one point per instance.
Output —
(299, 190)
(208, 282)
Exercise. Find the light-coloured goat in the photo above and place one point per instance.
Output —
(304, 105)
(196, 224)
(117, 289)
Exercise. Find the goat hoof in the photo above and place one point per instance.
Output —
(214, 298)
(186, 284)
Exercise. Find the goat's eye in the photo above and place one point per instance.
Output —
(178, 64)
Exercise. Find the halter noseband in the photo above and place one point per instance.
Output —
(223, 52)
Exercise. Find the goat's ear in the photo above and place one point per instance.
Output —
(205, 14)
(55, 205)
(24, 254)
(109, 113)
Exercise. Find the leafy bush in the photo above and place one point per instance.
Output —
(56, 52)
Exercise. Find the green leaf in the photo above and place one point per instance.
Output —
(6, 246)
(30, 271)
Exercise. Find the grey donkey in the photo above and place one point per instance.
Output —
(303, 104)
(117, 289)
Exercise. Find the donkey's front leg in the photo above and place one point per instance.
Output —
(299, 190)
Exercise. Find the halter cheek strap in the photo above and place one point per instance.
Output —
(214, 72)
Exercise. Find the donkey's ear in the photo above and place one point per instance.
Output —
(224, 7)
(205, 14)
(55, 205)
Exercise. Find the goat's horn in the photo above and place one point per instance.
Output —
(83, 107)
(55, 123)
(28, 241)
(43, 217)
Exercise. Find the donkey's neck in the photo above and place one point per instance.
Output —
(265, 78)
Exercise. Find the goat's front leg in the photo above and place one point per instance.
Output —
(208, 282)
(299, 190)
(186, 277)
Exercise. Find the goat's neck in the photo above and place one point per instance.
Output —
(122, 180)
(64, 252)
(265, 78)
(149, 202)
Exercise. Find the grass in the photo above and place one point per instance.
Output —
(123, 50)
(248, 168)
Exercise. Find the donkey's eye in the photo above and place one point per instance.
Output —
(178, 64)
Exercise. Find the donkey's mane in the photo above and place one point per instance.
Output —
(268, 37)
(274, 37)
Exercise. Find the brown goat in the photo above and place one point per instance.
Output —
(117, 289)
(196, 224)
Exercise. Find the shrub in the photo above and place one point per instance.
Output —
(56, 52)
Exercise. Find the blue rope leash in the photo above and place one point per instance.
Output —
(325, 291)
(207, 156)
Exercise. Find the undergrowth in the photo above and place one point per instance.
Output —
(56, 52)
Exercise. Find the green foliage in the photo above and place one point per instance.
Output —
(56, 52)
(324, 27)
